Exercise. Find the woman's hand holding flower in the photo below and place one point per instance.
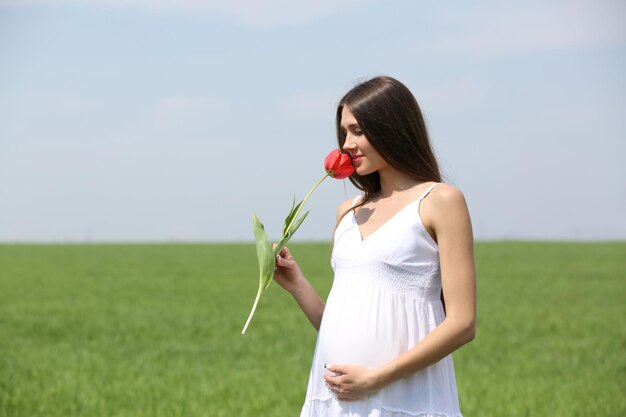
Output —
(287, 273)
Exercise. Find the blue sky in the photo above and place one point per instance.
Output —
(158, 121)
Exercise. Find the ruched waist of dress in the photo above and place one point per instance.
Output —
(421, 281)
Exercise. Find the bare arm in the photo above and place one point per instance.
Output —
(447, 215)
(289, 276)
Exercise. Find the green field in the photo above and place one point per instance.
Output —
(154, 330)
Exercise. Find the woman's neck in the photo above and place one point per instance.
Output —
(393, 182)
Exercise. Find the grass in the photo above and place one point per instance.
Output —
(154, 330)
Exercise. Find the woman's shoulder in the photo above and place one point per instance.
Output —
(446, 194)
(345, 206)
(446, 203)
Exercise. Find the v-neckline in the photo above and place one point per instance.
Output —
(396, 214)
(358, 227)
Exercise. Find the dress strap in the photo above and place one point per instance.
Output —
(428, 190)
(356, 200)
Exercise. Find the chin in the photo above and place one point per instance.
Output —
(363, 171)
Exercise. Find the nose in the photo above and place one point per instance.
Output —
(348, 145)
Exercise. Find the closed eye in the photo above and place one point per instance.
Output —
(354, 129)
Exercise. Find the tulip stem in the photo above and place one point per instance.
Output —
(303, 201)
(256, 301)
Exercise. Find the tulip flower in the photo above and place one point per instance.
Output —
(337, 165)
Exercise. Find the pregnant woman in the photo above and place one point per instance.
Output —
(404, 292)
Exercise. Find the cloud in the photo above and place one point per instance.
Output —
(261, 13)
(309, 106)
(484, 29)
(513, 29)
(453, 94)
(182, 110)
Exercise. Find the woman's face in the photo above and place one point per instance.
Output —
(366, 159)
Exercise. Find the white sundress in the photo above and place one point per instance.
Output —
(385, 298)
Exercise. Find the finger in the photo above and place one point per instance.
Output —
(335, 389)
(333, 378)
(282, 261)
(337, 369)
(344, 395)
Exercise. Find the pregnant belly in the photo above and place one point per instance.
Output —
(360, 330)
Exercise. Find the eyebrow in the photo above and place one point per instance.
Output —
(351, 125)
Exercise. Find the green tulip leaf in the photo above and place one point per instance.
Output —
(283, 241)
(297, 224)
(265, 256)
(289, 216)
(289, 219)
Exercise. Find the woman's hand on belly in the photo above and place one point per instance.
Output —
(351, 382)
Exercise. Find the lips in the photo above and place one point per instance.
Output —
(356, 158)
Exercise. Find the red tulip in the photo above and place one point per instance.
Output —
(338, 165)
